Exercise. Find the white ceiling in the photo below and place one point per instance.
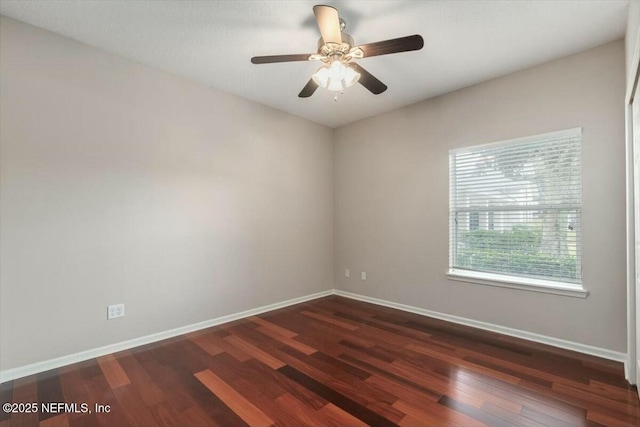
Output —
(211, 42)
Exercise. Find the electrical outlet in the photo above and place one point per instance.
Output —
(115, 311)
(347, 273)
(363, 275)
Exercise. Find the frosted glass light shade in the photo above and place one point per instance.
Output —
(335, 77)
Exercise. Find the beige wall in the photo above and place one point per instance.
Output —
(391, 196)
(123, 184)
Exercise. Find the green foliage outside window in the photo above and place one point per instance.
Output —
(517, 251)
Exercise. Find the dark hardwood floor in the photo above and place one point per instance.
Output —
(332, 362)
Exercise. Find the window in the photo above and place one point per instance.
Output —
(515, 213)
(474, 220)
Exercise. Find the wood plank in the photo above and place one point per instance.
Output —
(234, 400)
(486, 390)
(613, 392)
(316, 333)
(544, 418)
(332, 413)
(113, 372)
(305, 414)
(475, 413)
(272, 327)
(269, 404)
(331, 320)
(447, 388)
(609, 420)
(291, 342)
(390, 371)
(231, 371)
(146, 387)
(182, 355)
(73, 384)
(345, 385)
(410, 394)
(205, 342)
(338, 399)
(255, 352)
(334, 365)
(174, 384)
(166, 414)
(278, 381)
(227, 347)
(211, 404)
(89, 369)
(60, 420)
(99, 392)
(431, 415)
(86, 420)
(379, 352)
(134, 407)
(375, 324)
(196, 416)
(510, 417)
(465, 363)
(572, 393)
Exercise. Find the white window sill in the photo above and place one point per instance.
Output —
(524, 283)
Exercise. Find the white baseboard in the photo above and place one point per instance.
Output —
(35, 368)
(630, 374)
(555, 342)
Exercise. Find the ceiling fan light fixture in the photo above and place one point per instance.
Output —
(321, 76)
(337, 49)
(351, 77)
(335, 77)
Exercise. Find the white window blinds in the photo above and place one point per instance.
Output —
(515, 207)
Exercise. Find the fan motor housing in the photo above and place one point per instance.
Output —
(328, 49)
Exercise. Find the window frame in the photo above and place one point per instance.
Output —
(535, 284)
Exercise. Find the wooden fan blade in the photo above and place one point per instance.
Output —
(403, 44)
(280, 58)
(368, 80)
(328, 23)
(308, 89)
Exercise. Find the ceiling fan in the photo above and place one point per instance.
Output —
(337, 50)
